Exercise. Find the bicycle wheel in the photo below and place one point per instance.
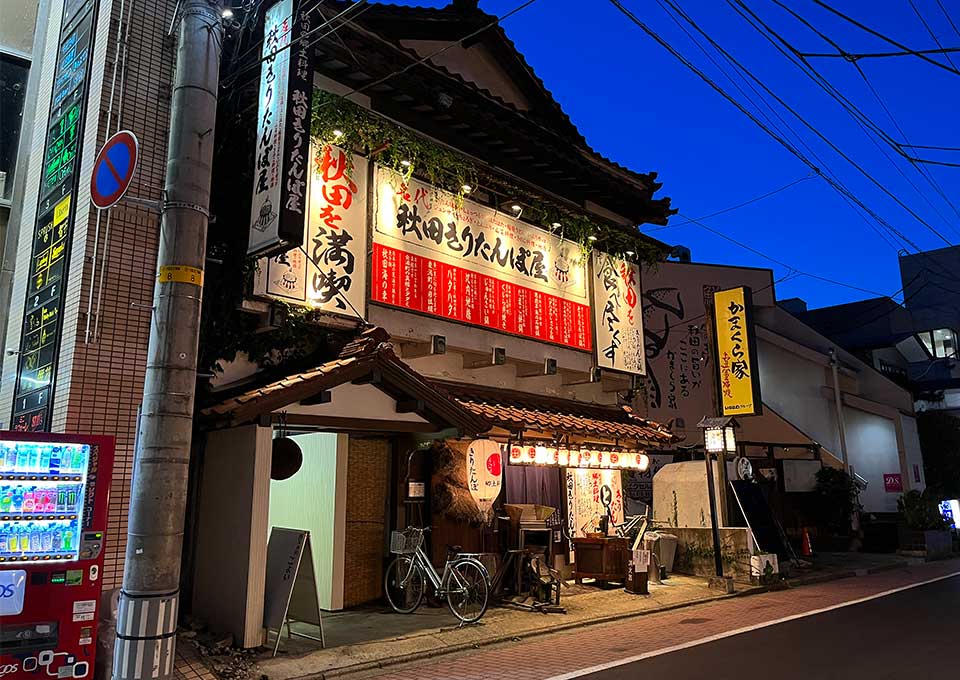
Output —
(468, 590)
(403, 584)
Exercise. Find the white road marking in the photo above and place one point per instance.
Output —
(740, 631)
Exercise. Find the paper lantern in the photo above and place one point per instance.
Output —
(563, 456)
(643, 462)
(530, 455)
(574, 458)
(615, 461)
(540, 455)
(516, 454)
(553, 457)
(484, 472)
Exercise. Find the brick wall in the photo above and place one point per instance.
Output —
(368, 475)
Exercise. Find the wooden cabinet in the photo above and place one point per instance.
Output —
(603, 559)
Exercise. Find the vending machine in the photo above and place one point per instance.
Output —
(53, 516)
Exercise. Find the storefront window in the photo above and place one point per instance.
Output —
(13, 88)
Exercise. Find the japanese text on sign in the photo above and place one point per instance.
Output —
(471, 263)
(329, 272)
(736, 358)
(618, 314)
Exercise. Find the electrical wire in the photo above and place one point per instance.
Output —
(808, 125)
(738, 205)
(852, 110)
(855, 56)
(949, 18)
(893, 42)
(835, 184)
(933, 35)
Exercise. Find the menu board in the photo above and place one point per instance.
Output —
(53, 230)
(436, 254)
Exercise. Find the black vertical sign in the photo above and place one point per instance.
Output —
(53, 229)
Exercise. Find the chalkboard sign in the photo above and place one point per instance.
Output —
(291, 587)
(53, 229)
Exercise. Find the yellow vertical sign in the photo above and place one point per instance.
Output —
(736, 352)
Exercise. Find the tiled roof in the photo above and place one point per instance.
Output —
(370, 354)
(515, 410)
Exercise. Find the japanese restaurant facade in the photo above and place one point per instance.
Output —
(475, 271)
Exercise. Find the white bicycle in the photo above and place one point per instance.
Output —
(465, 582)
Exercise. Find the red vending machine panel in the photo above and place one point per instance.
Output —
(54, 490)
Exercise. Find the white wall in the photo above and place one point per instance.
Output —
(872, 448)
(314, 499)
(791, 385)
(229, 576)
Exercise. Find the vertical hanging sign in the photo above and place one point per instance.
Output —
(618, 314)
(283, 132)
(53, 229)
(736, 345)
(329, 273)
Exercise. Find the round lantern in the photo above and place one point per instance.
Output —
(484, 472)
(516, 454)
(563, 456)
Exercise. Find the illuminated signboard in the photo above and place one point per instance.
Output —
(329, 272)
(283, 132)
(618, 314)
(53, 230)
(456, 259)
(736, 358)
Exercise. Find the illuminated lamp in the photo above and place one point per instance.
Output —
(643, 462)
(553, 456)
(615, 461)
(563, 456)
(605, 459)
(516, 454)
(530, 455)
(574, 459)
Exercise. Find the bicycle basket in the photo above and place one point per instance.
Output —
(405, 542)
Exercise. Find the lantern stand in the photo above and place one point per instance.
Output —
(719, 438)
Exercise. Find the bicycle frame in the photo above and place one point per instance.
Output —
(436, 580)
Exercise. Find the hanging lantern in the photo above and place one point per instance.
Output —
(574, 459)
(484, 472)
(516, 454)
(643, 462)
(530, 455)
(563, 456)
(540, 457)
(553, 457)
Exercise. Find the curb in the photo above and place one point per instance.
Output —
(462, 647)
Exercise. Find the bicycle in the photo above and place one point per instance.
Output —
(465, 582)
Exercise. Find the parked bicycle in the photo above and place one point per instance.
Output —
(465, 582)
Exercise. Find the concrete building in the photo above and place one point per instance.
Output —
(800, 414)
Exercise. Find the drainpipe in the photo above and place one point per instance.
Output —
(834, 363)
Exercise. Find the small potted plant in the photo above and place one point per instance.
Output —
(923, 531)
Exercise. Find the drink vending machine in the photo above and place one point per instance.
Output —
(53, 515)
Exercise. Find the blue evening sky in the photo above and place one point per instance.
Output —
(636, 104)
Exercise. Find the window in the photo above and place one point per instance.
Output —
(13, 90)
(941, 342)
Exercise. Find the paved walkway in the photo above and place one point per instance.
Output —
(557, 654)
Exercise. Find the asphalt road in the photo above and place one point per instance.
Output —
(910, 634)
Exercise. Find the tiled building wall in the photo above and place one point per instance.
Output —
(368, 475)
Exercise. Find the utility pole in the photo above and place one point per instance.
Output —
(147, 619)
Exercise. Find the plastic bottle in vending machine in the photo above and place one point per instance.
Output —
(36, 543)
(23, 458)
(33, 458)
(10, 456)
(68, 539)
(47, 540)
(3, 541)
(29, 503)
(55, 460)
(44, 465)
(57, 540)
(17, 504)
(24, 540)
(6, 500)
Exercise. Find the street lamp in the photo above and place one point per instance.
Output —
(719, 439)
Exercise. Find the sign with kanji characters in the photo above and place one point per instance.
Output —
(618, 314)
(736, 357)
(283, 132)
(329, 271)
(436, 254)
(484, 472)
(586, 492)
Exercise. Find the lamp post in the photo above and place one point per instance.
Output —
(719, 438)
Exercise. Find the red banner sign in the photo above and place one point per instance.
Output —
(424, 285)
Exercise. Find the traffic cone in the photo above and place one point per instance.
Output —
(805, 546)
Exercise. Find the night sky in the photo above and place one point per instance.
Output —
(638, 105)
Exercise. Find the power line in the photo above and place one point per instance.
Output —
(811, 127)
(949, 19)
(835, 184)
(739, 205)
(789, 268)
(855, 56)
(893, 42)
(852, 110)
(933, 35)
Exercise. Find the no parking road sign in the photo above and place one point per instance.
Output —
(114, 168)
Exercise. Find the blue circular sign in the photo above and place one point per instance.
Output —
(114, 169)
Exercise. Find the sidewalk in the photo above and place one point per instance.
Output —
(368, 639)
(587, 605)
